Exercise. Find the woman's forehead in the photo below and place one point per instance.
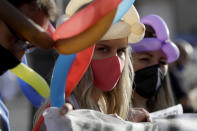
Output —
(123, 42)
(153, 54)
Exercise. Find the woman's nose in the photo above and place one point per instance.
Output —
(113, 53)
(155, 62)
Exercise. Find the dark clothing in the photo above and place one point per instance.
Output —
(42, 61)
(177, 85)
(8, 60)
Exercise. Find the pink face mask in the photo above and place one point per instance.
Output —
(106, 72)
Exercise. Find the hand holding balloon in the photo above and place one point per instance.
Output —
(36, 35)
(11, 42)
(29, 30)
(64, 42)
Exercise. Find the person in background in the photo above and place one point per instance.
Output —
(151, 57)
(12, 47)
(176, 69)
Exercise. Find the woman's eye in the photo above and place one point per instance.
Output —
(144, 59)
(163, 62)
(102, 49)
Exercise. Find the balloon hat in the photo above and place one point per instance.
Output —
(160, 42)
(130, 26)
(137, 28)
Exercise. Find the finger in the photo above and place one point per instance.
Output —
(149, 120)
(69, 106)
(146, 113)
(143, 115)
(65, 108)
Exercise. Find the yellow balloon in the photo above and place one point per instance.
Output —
(32, 78)
(88, 37)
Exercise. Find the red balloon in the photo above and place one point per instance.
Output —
(78, 69)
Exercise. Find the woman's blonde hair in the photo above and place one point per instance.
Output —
(115, 101)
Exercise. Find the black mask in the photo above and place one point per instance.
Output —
(148, 81)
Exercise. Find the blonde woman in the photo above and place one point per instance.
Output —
(151, 57)
(107, 84)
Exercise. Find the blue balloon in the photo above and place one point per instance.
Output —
(58, 83)
(29, 92)
(124, 6)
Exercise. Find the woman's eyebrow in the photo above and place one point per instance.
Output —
(148, 54)
(163, 58)
(103, 45)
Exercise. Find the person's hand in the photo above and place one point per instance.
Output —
(116, 116)
(139, 115)
(10, 42)
(66, 108)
